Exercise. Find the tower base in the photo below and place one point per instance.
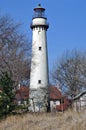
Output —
(38, 100)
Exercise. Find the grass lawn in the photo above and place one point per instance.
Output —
(69, 120)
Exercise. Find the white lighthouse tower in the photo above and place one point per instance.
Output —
(39, 64)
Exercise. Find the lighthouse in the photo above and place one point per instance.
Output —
(39, 78)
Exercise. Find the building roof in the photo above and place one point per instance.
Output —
(22, 93)
(79, 95)
(54, 93)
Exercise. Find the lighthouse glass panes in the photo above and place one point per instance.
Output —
(39, 11)
(39, 62)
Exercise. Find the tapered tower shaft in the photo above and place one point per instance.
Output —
(39, 64)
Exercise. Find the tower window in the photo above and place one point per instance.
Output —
(36, 28)
(39, 81)
(40, 48)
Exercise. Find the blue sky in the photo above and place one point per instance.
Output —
(67, 19)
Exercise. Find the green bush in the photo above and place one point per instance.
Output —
(6, 95)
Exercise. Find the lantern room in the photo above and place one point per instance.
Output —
(39, 12)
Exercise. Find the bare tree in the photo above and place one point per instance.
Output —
(70, 72)
(14, 50)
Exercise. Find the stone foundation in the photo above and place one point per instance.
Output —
(38, 100)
